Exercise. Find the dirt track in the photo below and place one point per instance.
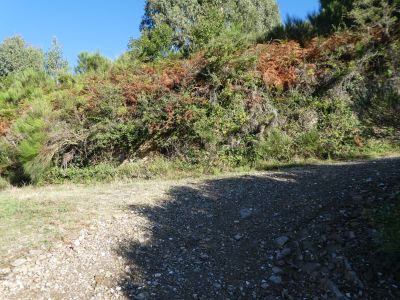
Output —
(301, 233)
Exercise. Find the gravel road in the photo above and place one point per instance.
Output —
(299, 233)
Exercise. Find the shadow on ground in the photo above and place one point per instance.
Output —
(215, 240)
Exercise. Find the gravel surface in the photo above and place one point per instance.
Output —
(302, 233)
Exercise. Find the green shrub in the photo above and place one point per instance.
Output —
(156, 167)
(277, 146)
(24, 85)
(4, 183)
(99, 173)
(153, 44)
(337, 125)
(308, 144)
(206, 112)
(223, 49)
(88, 62)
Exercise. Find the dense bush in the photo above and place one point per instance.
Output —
(231, 104)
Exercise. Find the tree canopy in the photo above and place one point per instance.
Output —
(16, 55)
(177, 20)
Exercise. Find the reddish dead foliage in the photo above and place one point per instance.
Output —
(166, 78)
(319, 48)
(91, 91)
(4, 126)
(283, 64)
(278, 63)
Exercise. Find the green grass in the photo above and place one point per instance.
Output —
(163, 168)
(373, 149)
(30, 222)
(3, 184)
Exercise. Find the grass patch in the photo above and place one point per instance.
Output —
(154, 168)
(30, 222)
(372, 149)
(159, 167)
(3, 183)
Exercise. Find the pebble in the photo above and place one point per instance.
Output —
(141, 296)
(283, 254)
(321, 242)
(275, 279)
(351, 235)
(238, 237)
(35, 252)
(277, 270)
(5, 271)
(334, 289)
(217, 286)
(281, 241)
(310, 267)
(18, 262)
(264, 285)
(245, 213)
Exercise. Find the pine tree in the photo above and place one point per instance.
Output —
(88, 62)
(55, 62)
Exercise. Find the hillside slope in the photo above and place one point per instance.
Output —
(232, 105)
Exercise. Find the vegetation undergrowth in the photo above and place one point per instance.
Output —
(212, 97)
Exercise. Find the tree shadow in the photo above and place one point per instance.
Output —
(214, 240)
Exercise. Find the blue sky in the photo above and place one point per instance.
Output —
(90, 25)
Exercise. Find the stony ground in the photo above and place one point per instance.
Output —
(302, 233)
